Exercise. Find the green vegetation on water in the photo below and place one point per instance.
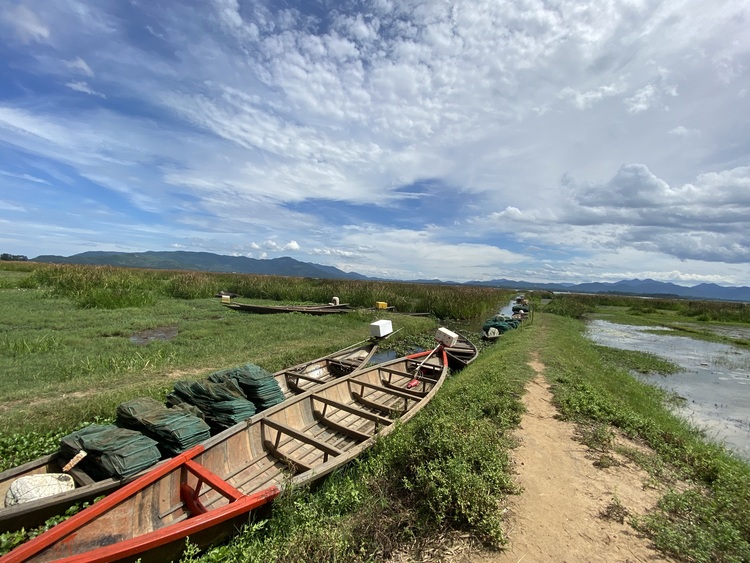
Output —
(67, 355)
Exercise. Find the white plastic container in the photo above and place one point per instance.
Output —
(381, 328)
(446, 337)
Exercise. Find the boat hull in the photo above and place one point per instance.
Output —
(293, 380)
(462, 353)
(275, 309)
(214, 486)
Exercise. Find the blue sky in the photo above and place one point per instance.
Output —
(544, 140)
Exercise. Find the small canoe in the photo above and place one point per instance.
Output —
(292, 380)
(271, 309)
(462, 353)
(206, 493)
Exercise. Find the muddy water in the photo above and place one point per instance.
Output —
(715, 378)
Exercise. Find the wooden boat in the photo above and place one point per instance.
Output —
(271, 309)
(206, 493)
(462, 353)
(292, 380)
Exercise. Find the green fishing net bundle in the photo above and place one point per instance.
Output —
(223, 404)
(111, 451)
(258, 385)
(176, 430)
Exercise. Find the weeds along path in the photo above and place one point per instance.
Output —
(569, 510)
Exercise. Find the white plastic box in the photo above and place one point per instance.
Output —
(446, 337)
(381, 328)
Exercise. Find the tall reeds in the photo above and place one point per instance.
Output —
(110, 287)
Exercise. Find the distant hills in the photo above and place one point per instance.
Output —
(203, 261)
(209, 262)
(647, 287)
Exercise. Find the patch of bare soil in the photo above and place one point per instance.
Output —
(569, 510)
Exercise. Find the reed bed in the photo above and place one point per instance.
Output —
(110, 287)
(577, 305)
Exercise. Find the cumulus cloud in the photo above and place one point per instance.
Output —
(239, 121)
(276, 247)
(706, 220)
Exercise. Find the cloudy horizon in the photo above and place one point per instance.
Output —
(548, 141)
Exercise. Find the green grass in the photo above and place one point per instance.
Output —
(67, 356)
(63, 363)
(705, 522)
(448, 469)
(108, 287)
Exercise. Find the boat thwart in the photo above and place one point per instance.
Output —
(292, 380)
(207, 492)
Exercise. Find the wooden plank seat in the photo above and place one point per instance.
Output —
(340, 428)
(402, 393)
(397, 372)
(388, 409)
(295, 464)
(351, 409)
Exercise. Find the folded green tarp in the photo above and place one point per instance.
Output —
(176, 430)
(257, 384)
(111, 451)
(223, 404)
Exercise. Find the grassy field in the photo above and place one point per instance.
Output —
(67, 356)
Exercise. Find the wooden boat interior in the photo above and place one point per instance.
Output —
(297, 441)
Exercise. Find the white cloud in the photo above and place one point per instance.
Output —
(276, 247)
(682, 131)
(25, 24)
(79, 65)
(83, 87)
(641, 100)
(584, 100)
(332, 252)
(27, 177)
(249, 122)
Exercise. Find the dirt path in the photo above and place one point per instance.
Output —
(558, 516)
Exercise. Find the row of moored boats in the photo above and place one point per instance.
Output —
(321, 414)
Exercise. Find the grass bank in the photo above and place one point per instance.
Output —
(447, 470)
(705, 515)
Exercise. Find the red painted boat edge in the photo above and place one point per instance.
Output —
(58, 532)
(168, 534)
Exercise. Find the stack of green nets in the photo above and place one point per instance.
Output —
(175, 430)
(257, 384)
(111, 451)
(223, 404)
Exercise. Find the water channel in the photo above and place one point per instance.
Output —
(715, 378)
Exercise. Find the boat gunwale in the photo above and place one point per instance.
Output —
(8, 515)
(179, 530)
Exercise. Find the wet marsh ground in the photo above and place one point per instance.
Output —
(713, 379)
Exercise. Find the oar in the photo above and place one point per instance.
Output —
(414, 382)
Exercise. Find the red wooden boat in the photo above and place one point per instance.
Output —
(207, 492)
(292, 380)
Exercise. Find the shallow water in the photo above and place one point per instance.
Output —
(715, 379)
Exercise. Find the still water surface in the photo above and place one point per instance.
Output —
(715, 378)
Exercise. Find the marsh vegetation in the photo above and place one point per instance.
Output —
(68, 356)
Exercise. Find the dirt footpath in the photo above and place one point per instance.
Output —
(558, 516)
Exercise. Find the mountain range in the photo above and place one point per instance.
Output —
(209, 262)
